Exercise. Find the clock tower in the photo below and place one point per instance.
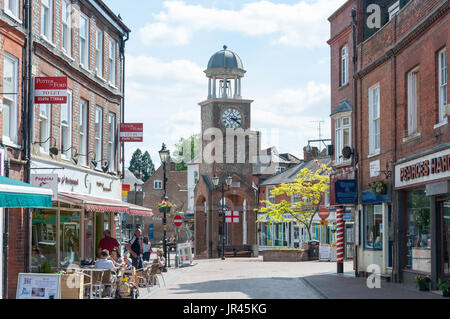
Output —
(228, 148)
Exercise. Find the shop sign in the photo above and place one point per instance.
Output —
(426, 169)
(151, 230)
(131, 132)
(346, 192)
(375, 168)
(50, 90)
(48, 181)
(347, 216)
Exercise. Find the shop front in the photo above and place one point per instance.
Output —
(85, 204)
(423, 188)
(376, 239)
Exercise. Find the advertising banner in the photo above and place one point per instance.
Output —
(50, 90)
(38, 286)
(132, 132)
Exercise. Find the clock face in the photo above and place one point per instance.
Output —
(232, 118)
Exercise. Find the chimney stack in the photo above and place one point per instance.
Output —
(313, 154)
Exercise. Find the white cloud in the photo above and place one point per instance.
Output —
(153, 68)
(302, 24)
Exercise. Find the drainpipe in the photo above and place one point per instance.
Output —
(28, 133)
(5, 242)
(355, 123)
(122, 55)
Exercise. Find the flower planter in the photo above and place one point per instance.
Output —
(423, 286)
(287, 255)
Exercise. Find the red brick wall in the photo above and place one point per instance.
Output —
(422, 52)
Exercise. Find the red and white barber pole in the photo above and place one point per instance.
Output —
(340, 240)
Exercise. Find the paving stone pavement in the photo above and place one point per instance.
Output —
(251, 278)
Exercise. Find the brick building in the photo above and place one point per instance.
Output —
(177, 192)
(13, 222)
(402, 138)
(73, 147)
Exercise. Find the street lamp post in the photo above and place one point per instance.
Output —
(164, 154)
(216, 182)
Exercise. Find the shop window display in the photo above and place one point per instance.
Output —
(69, 238)
(373, 227)
(418, 236)
(44, 238)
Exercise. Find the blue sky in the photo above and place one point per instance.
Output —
(281, 43)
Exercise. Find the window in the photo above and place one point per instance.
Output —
(112, 62)
(47, 19)
(271, 198)
(12, 7)
(196, 177)
(442, 56)
(344, 65)
(295, 198)
(44, 127)
(394, 9)
(280, 169)
(373, 228)
(112, 141)
(343, 129)
(157, 185)
(99, 53)
(412, 102)
(66, 127)
(10, 95)
(84, 41)
(374, 119)
(418, 235)
(67, 27)
(98, 133)
(83, 130)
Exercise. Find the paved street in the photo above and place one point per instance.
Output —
(251, 278)
(242, 279)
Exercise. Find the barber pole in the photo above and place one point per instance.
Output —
(340, 240)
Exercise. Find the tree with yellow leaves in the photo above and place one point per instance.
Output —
(311, 186)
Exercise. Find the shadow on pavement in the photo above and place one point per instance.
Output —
(333, 286)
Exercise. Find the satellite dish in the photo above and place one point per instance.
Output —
(347, 152)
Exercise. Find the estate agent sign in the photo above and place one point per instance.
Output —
(50, 90)
(132, 132)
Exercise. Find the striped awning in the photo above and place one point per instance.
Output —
(105, 205)
(17, 194)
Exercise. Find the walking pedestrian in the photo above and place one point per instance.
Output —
(147, 249)
(134, 247)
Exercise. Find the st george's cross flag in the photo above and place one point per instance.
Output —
(232, 217)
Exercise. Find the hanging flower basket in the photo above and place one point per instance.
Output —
(379, 188)
(165, 206)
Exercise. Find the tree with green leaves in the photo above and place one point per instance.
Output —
(148, 166)
(310, 187)
(141, 165)
(185, 151)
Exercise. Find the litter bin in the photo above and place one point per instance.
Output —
(313, 250)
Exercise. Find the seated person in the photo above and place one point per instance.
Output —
(160, 260)
(115, 257)
(104, 262)
(128, 264)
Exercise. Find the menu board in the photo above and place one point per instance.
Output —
(324, 252)
(38, 286)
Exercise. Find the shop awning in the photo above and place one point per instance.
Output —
(16, 194)
(139, 210)
(105, 205)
